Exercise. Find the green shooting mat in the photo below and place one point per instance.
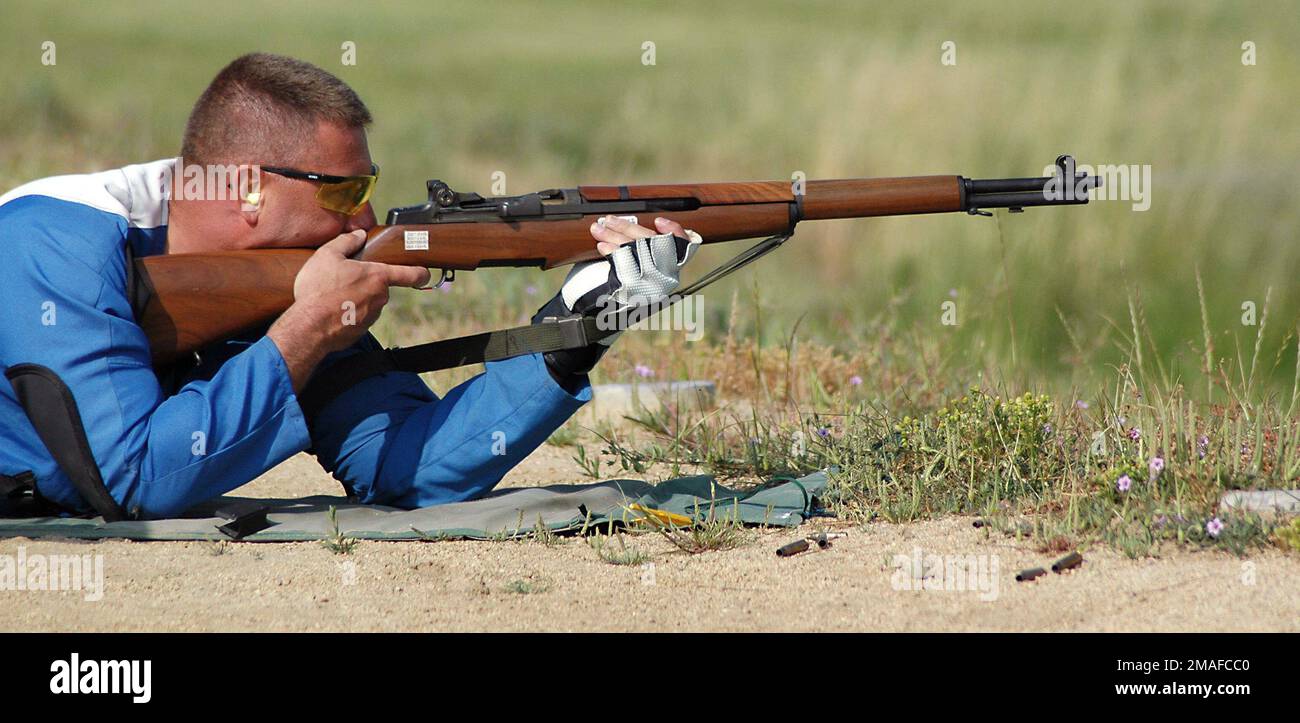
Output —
(504, 513)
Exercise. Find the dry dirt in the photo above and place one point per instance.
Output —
(854, 585)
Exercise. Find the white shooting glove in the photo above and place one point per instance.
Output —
(645, 271)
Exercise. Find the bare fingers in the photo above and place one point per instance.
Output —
(666, 226)
(395, 275)
(611, 232)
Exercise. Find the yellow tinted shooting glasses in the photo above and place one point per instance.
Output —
(345, 194)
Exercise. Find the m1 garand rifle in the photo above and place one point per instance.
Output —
(192, 300)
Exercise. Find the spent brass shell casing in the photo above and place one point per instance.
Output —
(1027, 575)
(1071, 560)
(794, 548)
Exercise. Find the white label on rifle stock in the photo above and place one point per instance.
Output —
(629, 219)
(416, 240)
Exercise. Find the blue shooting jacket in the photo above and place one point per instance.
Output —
(163, 446)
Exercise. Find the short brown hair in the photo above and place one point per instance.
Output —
(262, 108)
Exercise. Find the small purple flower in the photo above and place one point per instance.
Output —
(1202, 444)
(1161, 521)
(1135, 434)
(644, 371)
(823, 432)
(1047, 430)
(1124, 483)
(1156, 466)
(1214, 527)
(1081, 404)
(855, 381)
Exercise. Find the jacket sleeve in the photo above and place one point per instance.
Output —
(391, 441)
(67, 309)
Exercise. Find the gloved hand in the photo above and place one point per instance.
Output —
(640, 267)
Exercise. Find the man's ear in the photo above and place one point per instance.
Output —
(251, 194)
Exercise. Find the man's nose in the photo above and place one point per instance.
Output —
(363, 219)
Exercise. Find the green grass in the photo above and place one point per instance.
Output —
(1043, 466)
(624, 555)
(1288, 535)
(337, 542)
(544, 535)
(709, 533)
(556, 94)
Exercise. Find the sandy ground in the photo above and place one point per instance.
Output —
(866, 581)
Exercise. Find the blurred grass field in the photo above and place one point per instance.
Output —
(1097, 304)
(556, 94)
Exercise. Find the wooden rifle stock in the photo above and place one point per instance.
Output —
(197, 299)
